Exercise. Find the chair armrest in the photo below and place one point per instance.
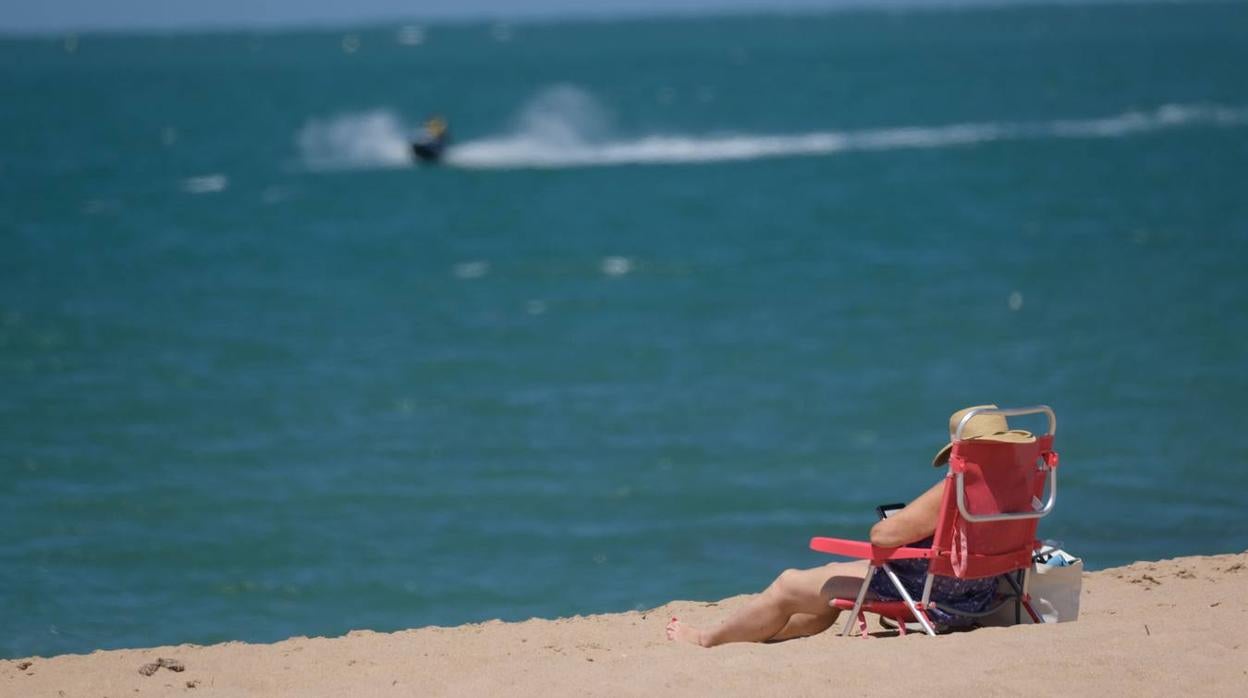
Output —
(864, 550)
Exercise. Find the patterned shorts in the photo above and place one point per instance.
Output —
(969, 595)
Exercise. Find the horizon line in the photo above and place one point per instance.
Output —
(566, 16)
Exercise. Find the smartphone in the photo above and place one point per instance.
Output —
(887, 510)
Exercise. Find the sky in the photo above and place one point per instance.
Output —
(53, 16)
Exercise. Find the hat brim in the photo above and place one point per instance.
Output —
(1013, 436)
(942, 456)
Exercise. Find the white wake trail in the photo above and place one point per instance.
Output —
(564, 127)
(367, 140)
(528, 149)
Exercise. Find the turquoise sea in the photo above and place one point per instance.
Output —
(687, 292)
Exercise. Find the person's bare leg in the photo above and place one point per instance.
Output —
(844, 584)
(798, 625)
(766, 615)
(805, 624)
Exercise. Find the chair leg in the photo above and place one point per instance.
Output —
(1035, 617)
(1025, 598)
(1020, 596)
(862, 595)
(1018, 599)
(905, 595)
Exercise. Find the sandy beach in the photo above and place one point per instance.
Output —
(1151, 628)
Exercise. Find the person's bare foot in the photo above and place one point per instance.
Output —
(684, 633)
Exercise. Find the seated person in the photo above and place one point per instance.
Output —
(433, 141)
(796, 604)
(436, 130)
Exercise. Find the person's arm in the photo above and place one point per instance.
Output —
(913, 523)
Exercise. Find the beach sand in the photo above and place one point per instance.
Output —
(1151, 628)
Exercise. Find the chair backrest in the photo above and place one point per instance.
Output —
(992, 504)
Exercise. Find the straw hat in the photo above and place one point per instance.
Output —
(988, 427)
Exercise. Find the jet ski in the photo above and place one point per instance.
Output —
(431, 145)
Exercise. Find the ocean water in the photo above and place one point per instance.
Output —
(686, 293)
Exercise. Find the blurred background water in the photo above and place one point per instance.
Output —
(687, 292)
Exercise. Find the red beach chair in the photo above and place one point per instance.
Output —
(987, 526)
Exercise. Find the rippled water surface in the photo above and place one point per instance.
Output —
(686, 293)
